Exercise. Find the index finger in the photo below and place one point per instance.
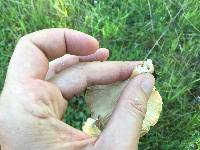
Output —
(31, 55)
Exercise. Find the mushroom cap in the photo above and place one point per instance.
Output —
(102, 99)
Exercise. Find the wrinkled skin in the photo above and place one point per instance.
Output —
(36, 94)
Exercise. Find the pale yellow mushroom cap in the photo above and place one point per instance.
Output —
(102, 98)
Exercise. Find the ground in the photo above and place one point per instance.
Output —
(167, 31)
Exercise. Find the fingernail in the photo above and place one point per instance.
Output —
(147, 84)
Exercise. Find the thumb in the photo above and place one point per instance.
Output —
(123, 129)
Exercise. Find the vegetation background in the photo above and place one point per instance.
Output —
(167, 31)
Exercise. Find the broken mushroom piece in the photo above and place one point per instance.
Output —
(102, 99)
(91, 128)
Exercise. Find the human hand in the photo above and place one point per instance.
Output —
(35, 94)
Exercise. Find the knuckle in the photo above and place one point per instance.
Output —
(23, 38)
(21, 42)
(123, 74)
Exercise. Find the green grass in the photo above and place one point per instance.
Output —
(167, 31)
